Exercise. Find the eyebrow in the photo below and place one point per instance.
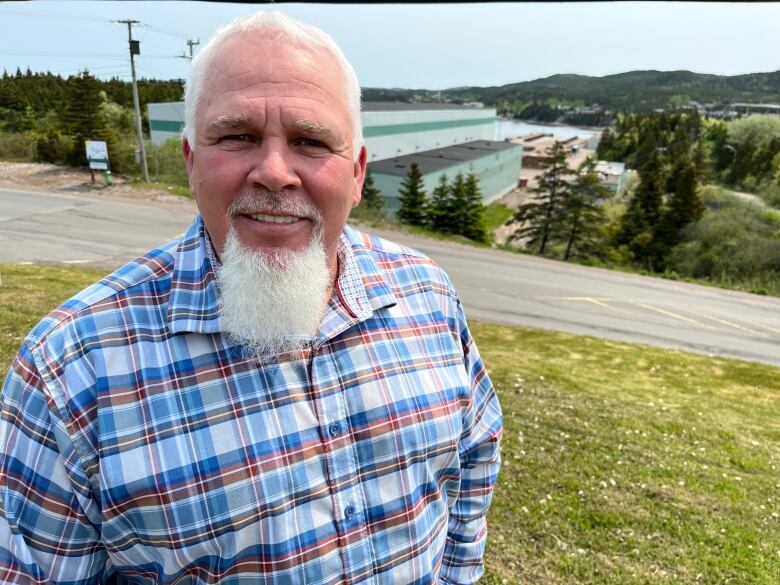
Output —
(318, 129)
(229, 122)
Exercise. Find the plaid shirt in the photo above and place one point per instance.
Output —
(139, 446)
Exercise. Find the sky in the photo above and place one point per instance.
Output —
(423, 46)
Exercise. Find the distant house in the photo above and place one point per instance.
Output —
(536, 147)
(612, 174)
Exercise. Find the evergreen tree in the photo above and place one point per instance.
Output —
(459, 202)
(371, 206)
(582, 212)
(441, 209)
(84, 119)
(472, 225)
(414, 205)
(606, 147)
(639, 223)
(538, 218)
(370, 196)
(685, 205)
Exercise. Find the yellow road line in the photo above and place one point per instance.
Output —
(736, 326)
(595, 301)
(667, 313)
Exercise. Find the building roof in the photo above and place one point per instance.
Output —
(763, 106)
(431, 161)
(610, 168)
(402, 106)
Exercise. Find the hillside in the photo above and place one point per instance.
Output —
(629, 92)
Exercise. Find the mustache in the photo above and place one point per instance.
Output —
(280, 202)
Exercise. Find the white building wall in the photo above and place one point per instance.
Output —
(397, 133)
(165, 120)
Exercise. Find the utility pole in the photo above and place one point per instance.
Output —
(191, 43)
(135, 49)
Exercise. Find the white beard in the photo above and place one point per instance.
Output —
(272, 305)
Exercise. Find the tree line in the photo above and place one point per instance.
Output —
(453, 208)
(629, 92)
(47, 118)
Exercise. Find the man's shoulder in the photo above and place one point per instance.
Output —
(144, 281)
(406, 267)
(382, 247)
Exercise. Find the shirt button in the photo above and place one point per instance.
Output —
(349, 511)
(334, 429)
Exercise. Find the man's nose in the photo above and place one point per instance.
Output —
(272, 167)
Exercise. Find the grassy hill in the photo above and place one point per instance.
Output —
(622, 464)
(630, 91)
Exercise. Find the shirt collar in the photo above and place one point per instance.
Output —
(194, 300)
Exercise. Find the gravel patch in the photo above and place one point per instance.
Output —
(49, 177)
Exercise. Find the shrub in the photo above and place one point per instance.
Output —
(166, 162)
(53, 147)
(733, 245)
(17, 146)
(715, 198)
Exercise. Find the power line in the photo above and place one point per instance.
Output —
(60, 54)
(91, 55)
(163, 31)
(49, 15)
(190, 43)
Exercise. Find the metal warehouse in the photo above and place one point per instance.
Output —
(496, 165)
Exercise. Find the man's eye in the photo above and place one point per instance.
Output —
(311, 143)
(236, 138)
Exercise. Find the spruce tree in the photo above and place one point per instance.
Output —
(538, 218)
(84, 119)
(639, 223)
(441, 209)
(685, 205)
(459, 201)
(371, 206)
(473, 226)
(414, 205)
(582, 214)
(370, 196)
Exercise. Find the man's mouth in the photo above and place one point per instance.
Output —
(275, 218)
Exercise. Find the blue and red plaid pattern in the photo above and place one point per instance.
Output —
(139, 446)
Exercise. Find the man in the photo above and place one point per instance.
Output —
(275, 398)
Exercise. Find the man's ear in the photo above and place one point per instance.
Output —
(189, 155)
(187, 152)
(360, 175)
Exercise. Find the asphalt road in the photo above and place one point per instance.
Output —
(495, 286)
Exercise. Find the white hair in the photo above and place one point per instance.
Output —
(272, 304)
(292, 32)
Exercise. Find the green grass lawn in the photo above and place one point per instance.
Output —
(622, 463)
(496, 215)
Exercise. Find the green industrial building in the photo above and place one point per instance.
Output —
(496, 165)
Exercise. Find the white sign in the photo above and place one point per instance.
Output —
(97, 154)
